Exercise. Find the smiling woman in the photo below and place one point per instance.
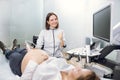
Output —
(52, 39)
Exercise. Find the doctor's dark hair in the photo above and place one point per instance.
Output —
(47, 26)
(91, 76)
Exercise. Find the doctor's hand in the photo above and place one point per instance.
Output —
(60, 36)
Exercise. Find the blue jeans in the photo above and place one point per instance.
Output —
(15, 58)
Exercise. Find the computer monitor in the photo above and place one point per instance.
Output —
(102, 24)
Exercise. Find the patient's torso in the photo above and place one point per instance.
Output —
(50, 70)
(47, 73)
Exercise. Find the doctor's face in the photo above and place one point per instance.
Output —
(53, 21)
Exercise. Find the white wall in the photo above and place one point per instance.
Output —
(4, 20)
(26, 19)
(20, 19)
(75, 17)
(115, 12)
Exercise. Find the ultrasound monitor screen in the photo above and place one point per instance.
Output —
(101, 24)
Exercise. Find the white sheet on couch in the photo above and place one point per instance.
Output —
(5, 71)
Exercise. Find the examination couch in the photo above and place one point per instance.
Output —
(114, 65)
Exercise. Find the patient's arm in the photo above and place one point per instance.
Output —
(35, 55)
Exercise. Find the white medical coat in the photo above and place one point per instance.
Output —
(51, 42)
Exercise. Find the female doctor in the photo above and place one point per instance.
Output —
(52, 39)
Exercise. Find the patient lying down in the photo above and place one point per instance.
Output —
(37, 65)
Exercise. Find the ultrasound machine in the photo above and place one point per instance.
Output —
(102, 30)
(112, 65)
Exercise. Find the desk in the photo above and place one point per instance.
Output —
(82, 52)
